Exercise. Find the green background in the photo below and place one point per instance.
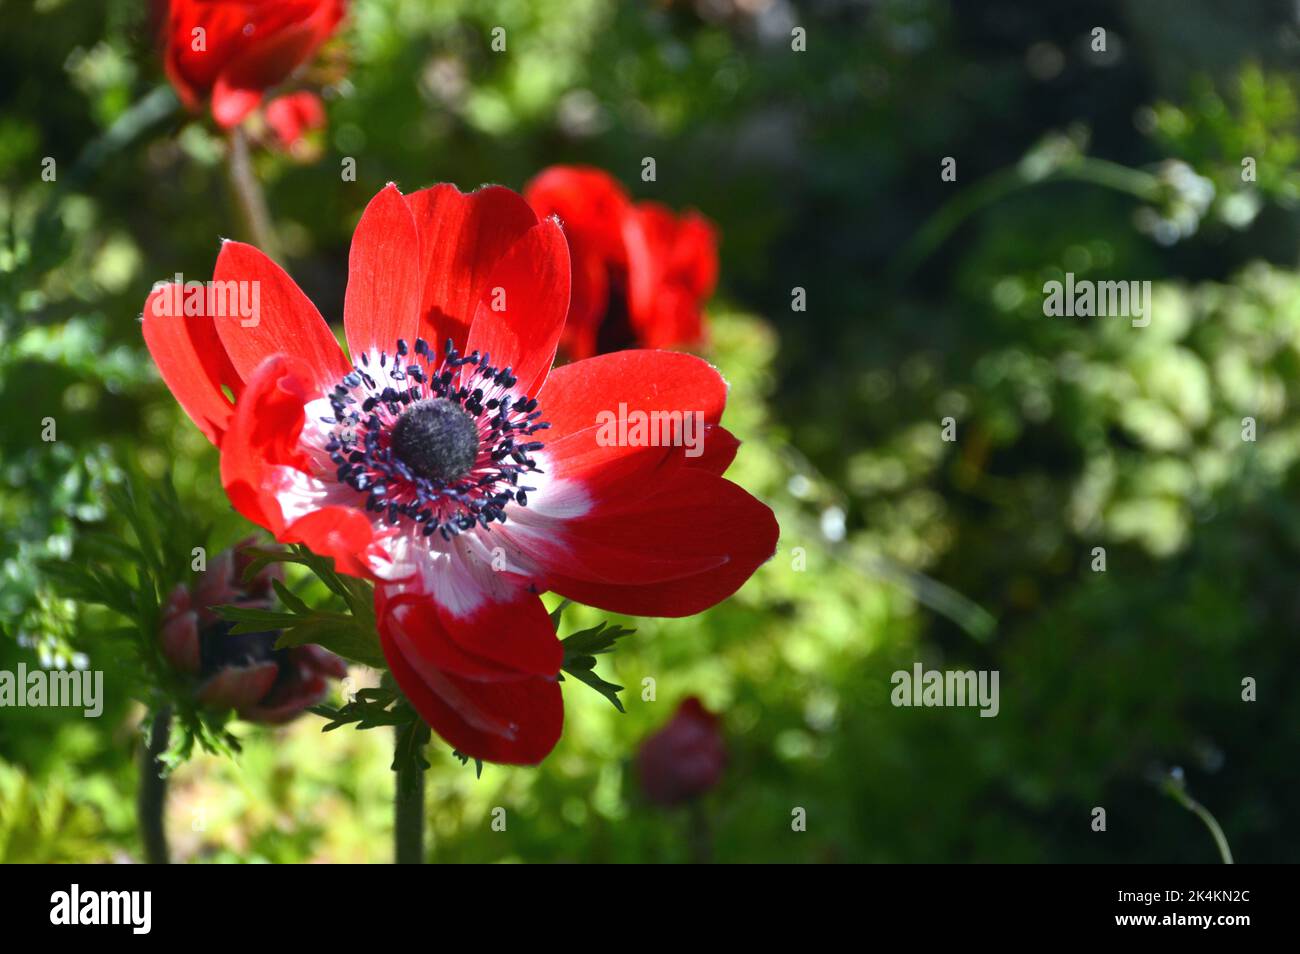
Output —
(924, 301)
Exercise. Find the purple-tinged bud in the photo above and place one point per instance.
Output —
(243, 672)
(685, 758)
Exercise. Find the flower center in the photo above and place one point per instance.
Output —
(439, 443)
(436, 439)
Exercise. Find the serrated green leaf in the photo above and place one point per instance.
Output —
(558, 612)
(588, 677)
(464, 760)
(580, 652)
(290, 599)
(594, 641)
(261, 618)
(340, 634)
(409, 751)
(366, 710)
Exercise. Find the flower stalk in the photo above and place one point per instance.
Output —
(151, 802)
(408, 798)
(249, 196)
(1176, 787)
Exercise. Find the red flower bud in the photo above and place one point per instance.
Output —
(243, 672)
(232, 51)
(685, 758)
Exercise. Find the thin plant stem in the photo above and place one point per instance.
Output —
(1179, 793)
(408, 805)
(151, 801)
(249, 196)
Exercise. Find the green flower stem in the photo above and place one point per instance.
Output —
(1179, 794)
(249, 196)
(408, 807)
(151, 801)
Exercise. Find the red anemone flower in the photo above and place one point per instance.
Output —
(232, 51)
(468, 477)
(641, 273)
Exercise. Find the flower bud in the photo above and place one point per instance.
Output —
(244, 672)
(685, 758)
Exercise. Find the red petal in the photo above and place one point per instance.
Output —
(320, 661)
(249, 44)
(301, 683)
(286, 322)
(283, 36)
(576, 394)
(180, 642)
(720, 447)
(462, 236)
(344, 534)
(293, 116)
(263, 436)
(515, 723)
(238, 687)
(383, 295)
(407, 617)
(692, 517)
(231, 104)
(605, 470)
(530, 285)
(262, 445)
(191, 360)
(590, 205)
(589, 202)
(588, 301)
(672, 267)
(506, 635)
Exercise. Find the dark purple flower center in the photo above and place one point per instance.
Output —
(436, 439)
(441, 443)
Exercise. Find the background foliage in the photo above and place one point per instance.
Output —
(924, 301)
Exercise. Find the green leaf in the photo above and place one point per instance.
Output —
(464, 760)
(590, 642)
(607, 689)
(261, 619)
(409, 751)
(368, 709)
(341, 634)
(559, 612)
(580, 652)
(289, 598)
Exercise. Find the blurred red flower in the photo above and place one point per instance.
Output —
(685, 758)
(466, 480)
(293, 116)
(245, 672)
(232, 51)
(641, 273)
